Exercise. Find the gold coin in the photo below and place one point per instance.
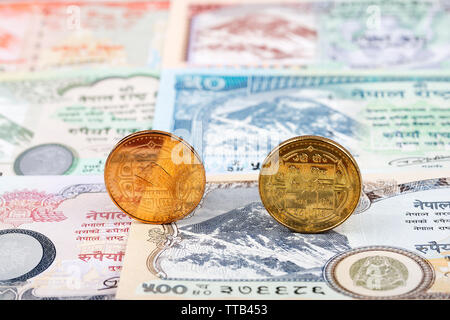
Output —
(310, 184)
(155, 177)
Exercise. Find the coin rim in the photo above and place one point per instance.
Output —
(314, 138)
(163, 133)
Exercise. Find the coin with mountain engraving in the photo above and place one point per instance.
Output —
(310, 184)
(155, 177)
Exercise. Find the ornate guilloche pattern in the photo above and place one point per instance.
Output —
(88, 112)
(168, 112)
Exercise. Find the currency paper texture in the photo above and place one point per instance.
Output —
(61, 237)
(396, 245)
(67, 122)
(309, 34)
(234, 118)
(73, 34)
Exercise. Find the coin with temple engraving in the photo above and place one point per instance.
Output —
(155, 177)
(310, 184)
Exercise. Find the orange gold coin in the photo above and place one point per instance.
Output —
(155, 177)
(310, 184)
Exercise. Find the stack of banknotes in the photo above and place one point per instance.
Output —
(233, 78)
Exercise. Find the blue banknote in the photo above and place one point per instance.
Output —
(234, 118)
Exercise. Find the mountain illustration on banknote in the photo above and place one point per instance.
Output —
(280, 118)
(297, 115)
(246, 243)
(266, 34)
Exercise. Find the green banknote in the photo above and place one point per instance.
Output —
(67, 123)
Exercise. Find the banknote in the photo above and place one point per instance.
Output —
(234, 118)
(58, 122)
(67, 34)
(309, 34)
(61, 237)
(396, 245)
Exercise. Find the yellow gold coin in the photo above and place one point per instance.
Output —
(155, 177)
(310, 184)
